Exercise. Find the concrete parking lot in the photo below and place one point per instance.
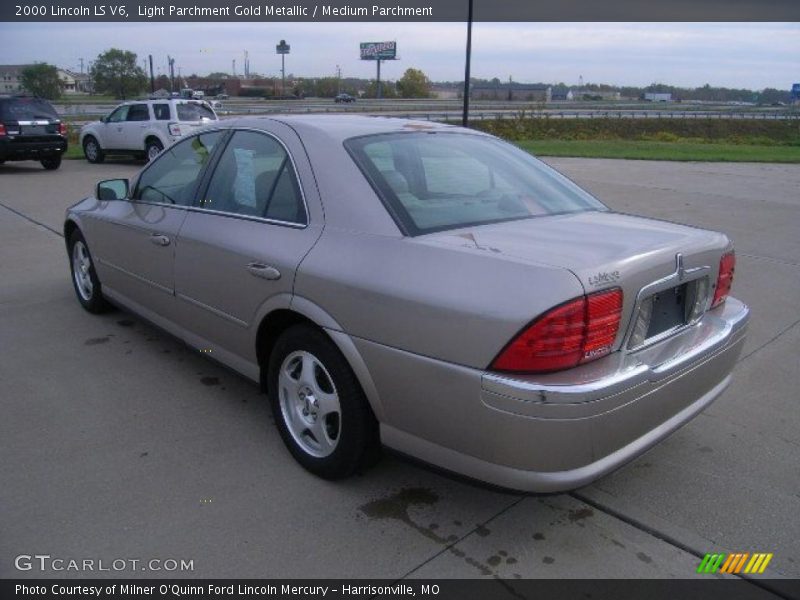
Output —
(119, 442)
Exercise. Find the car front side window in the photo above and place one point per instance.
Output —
(121, 114)
(255, 177)
(172, 178)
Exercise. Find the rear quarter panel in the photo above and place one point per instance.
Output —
(460, 305)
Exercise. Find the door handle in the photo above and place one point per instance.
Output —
(159, 239)
(264, 271)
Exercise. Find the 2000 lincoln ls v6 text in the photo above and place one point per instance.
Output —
(423, 287)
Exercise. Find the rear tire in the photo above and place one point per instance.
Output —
(92, 150)
(84, 277)
(51, 164)
(319, 407)
(152, 149)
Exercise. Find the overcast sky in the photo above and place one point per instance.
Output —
(750, 55)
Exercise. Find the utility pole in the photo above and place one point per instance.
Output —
(233, 67)
(81, 61)
(152, 78)
(171, 62)
(338, 80)
(465, 116)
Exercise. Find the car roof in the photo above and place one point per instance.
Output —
(337, 128)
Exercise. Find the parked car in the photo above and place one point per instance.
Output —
(30, 129)
(421, 286)
(346, 98)
(143, 128)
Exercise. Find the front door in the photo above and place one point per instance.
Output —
(137, 244)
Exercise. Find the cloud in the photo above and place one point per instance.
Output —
(753, 55)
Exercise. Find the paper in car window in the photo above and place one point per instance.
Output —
(244, 188)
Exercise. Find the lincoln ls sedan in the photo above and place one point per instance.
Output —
(421, 287)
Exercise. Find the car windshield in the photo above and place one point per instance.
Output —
(195, 111)
(24, 109)
(437, 181)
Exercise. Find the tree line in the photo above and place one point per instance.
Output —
(116, 73)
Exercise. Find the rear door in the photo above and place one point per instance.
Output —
(242, 243)
(136, 242)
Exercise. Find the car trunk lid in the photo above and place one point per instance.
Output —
(602, 249)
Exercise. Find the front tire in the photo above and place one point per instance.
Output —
(92, 150)
(84, 277)
(319, 407)
(51, 164)
(152, 149)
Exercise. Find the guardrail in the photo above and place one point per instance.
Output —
(455, 116)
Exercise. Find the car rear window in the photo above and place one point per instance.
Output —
(25, 109)
(195, 111)
(438, 181)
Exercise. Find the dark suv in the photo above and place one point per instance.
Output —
(30, 129)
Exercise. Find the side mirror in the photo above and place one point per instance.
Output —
(112, 189)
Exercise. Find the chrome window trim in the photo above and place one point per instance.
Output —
(680, 276)
(223, 213)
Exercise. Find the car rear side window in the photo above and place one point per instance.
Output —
(26, 109)
(195, 111)
(161, 112)
(138, 112)
(172, 178)
(438, 181)
(255, 177)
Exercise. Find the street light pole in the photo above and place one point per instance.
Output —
(465, 115)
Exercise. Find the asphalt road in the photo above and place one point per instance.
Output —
(119, 442)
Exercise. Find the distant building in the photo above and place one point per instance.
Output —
(446, 92)
(521, 92)
(796, 93)
(596, 94)
(74, 83)
(11, 78)
(561, 94)
(657, 97)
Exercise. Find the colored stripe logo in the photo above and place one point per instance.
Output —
(737, 562)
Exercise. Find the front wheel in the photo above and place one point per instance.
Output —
(152, 149)
(319, 407)
(84, 277)
(51, 164)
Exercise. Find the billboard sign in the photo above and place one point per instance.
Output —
(378, 50)
(795, 91)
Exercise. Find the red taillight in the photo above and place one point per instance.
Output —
(2, 129)
(62, 128)
(727, 266)
(579, 331)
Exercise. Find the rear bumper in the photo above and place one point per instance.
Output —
(20, 149)
(562, 431)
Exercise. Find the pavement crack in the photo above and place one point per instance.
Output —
(781, 261)
(672, 541)
(449, 547)
(32, 220)
(769, 341)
